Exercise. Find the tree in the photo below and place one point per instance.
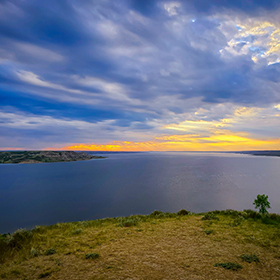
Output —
(262, 203)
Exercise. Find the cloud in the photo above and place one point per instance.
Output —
(35, 80)
(39, 52)
(136, 71)
(96, 87)
(113, 90)
(171, 8)
(259, 39)
(20, 127)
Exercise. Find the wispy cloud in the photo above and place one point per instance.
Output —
(39, 52)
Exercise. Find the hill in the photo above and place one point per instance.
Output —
(216, 245)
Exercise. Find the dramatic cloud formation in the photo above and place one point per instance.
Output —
(140, 75)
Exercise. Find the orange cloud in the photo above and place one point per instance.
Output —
(114, 146)
(219, 141)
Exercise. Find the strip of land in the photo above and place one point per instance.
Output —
(44, 156)
(261, 153)
(217, 245)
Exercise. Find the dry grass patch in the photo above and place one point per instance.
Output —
(159, 246)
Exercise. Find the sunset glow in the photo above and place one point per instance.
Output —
(184, 143)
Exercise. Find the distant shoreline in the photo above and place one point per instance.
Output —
(261, 153)
(29, 157)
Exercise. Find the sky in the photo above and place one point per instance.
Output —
(127, 75)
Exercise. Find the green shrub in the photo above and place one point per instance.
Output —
(18, 238)
(35, 252)
(128, 222)
(44, 274)
(229, 265)
(231, 212)
(237, 221)
(249, 258)
(271, 219)
(208, 231)
(268, 221)
(156, 213)
(274, 217)
(167, 215)
(225, 212)
(209, 216)
(50, 251)
(251, 214)
(217, 212)
(183, 212)
(92, 256)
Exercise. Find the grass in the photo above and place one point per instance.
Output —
(156, 246)
(76, 231)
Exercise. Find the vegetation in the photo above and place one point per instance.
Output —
(249, 258)
(262, 203)
(210, 216)
(50, 251)
(208, 231)
(128, 222)
(156, 246)
(43, 156)
(92, 256)
(229, 265)
(183, 212)
(44, 274)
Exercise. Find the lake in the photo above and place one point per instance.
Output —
(134, 183)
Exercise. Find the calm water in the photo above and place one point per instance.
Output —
(133, 183)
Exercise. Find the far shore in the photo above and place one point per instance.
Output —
(30, 157)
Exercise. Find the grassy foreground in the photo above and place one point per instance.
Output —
(216, 245)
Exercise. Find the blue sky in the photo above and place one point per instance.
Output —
(140, 75)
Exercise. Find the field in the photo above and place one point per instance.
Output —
(215, 245)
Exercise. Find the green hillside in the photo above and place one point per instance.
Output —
(217, 245)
